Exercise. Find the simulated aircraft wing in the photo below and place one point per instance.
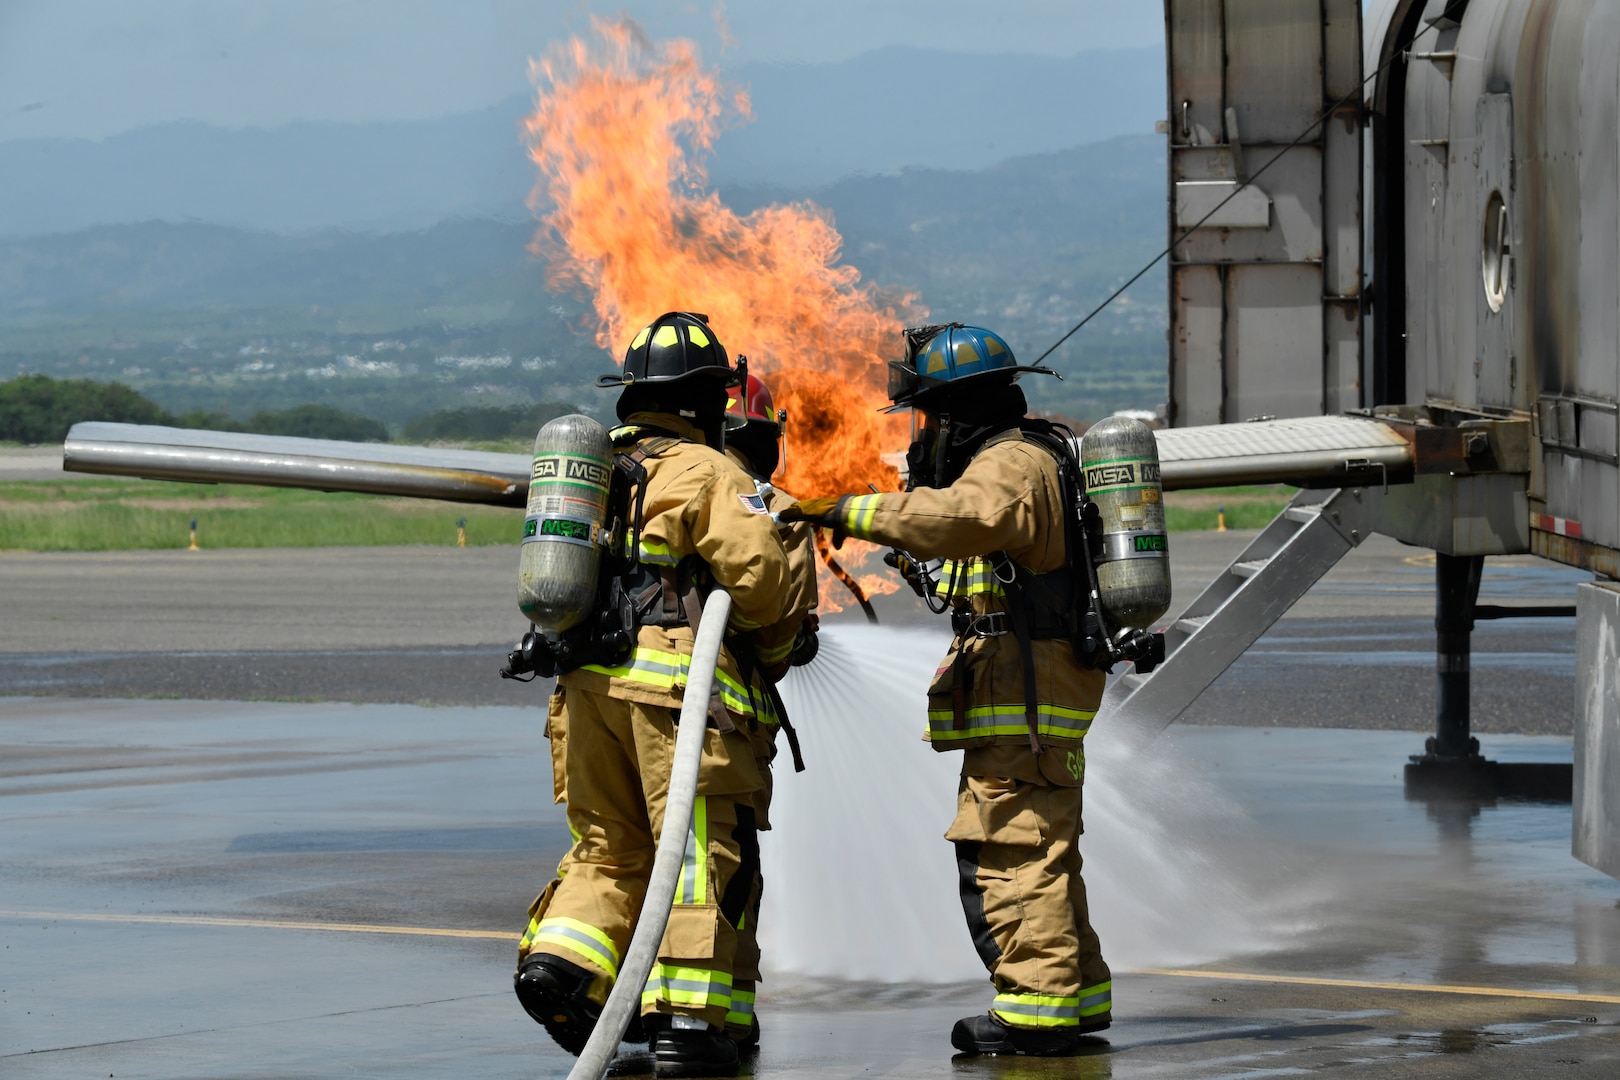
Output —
(1312, 451)
(224, 457)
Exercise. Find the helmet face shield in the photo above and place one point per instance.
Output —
(923, 455)
(903, 382)
(750, 401)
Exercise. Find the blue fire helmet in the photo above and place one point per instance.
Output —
(947, 356)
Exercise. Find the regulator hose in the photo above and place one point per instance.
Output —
(625, 999)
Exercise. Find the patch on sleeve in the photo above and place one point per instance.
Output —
(754, 503)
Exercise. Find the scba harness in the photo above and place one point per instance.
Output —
(1057, 604)
(641, 584)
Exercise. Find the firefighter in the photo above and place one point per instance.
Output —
(754, 442)
(701, 524)
(984, 493)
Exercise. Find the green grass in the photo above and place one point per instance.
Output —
(1250, 507)
(119, 515)
(109, 514)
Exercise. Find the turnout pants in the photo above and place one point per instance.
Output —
(618, 760)
(740, 1020)
(1018, 865)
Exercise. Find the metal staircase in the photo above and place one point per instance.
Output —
(1304, 542)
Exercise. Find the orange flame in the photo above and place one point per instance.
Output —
(619, 132)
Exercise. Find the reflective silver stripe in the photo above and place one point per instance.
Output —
(1106, 997)
(714, 990)
(1066, 1012)
(560, 933)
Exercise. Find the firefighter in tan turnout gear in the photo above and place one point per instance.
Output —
(1015, 693)
(699, 523)
(753, 441)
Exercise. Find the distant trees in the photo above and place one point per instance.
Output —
(304, 421)
(484, 422)
(40, 409)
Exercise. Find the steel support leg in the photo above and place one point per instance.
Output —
(1456, 580)
(1451, 767)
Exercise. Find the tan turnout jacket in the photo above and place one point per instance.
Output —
(1007, 499)
(698, 502)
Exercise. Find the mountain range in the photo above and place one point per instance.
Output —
(813, 124)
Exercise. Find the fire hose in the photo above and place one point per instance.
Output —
(625, 1000)
(844, 575)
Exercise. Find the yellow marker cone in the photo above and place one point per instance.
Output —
(461, 532)
(193, 546)
(1220, 519)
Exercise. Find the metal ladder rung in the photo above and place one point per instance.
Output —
(1302, 514)
(1191, 625)
(1249, 569)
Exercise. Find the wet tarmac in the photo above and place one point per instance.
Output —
(431, 625)
(199, 889)
(297, 887)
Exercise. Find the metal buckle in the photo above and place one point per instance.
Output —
(990, 624)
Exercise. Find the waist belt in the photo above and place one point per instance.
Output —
(1043, 624)
(990, 624)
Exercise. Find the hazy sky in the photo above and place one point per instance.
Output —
(92, 68)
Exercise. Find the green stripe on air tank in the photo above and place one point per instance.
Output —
(568, 530)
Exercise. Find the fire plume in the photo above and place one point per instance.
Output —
(619, 133)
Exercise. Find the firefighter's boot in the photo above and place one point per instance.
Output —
(699, 1050)
(987, 1034)
(556, 994)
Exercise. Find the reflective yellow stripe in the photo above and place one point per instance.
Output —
(983, 720)
(693, 884)
(1095, 1000)
(701, 987)
(580, 938)
(742, 1008)
(968, 578)
(1046, 1010)
(651, 667)
(656, 554)
(859, 513)
(667, 670)
(778, 653)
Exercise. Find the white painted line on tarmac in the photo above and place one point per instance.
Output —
(267, 924)
(1358, 984)
(495, 935)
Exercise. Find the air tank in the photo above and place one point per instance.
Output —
(1121, 462)
(562, 530)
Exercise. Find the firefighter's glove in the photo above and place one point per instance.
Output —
(908, 569)
(805, 644)
(823, 513)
